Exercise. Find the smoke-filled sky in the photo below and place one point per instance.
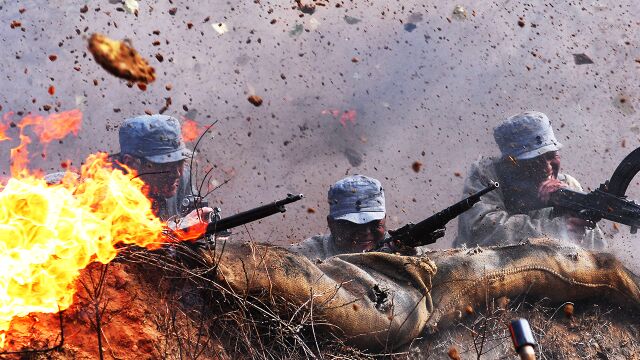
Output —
(365, 87)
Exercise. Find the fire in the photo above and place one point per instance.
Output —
(49, 128)
(3, 132)
(190, 130)
(49, 233)
(342, 116)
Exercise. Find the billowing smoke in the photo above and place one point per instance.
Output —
(366, 87)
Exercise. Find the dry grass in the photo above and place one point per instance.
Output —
(200, 319)
(594, 331)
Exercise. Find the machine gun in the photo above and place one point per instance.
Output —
(218, 225)
(426, 231)
(606, 202)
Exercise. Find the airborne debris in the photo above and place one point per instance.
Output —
(416, 166)
(409, 27)
(255, 100)
(297, 30)
(582, 59)
(351, 20)
(459, 12)
(354, 157)
(53, 57)
(311, 210)
(308, 8)
(220, 28)
(132, 6)
(415, 18)
(120, 59)
(313, 24)
(623, 103)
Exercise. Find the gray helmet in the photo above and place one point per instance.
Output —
(526, 135)
(157, 138)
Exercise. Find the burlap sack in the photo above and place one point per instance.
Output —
(379, 301)
(375, 301)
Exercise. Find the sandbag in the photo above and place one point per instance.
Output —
(379, 301)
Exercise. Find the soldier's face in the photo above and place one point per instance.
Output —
(162, 179)
(541, 168)
(357, 237)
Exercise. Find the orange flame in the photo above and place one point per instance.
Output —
(342, 116)
(50, 233)
(3, 132)
(52, 127)
(190, 130)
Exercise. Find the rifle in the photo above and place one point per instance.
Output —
(606, 202)
(413, 235)
(218, 225)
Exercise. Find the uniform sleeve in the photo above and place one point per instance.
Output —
(312, 248)
(594, 238)
(487, 223)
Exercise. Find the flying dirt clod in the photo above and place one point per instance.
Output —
(120, 59)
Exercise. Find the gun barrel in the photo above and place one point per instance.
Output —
(440, 219)
(254, 214)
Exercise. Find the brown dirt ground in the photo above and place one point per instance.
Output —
(140, 321)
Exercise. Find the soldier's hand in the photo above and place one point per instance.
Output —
(200, 215)
(548, 187)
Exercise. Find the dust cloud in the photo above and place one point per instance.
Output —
(349, 87)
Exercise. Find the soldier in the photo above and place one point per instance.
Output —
(528, 172)
(356, 220)
(152, 145)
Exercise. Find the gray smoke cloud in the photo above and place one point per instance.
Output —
(356, 87)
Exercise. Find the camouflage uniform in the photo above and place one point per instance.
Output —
(491, 221)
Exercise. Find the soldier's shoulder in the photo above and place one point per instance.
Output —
(313, 247)
(483, 168)
(483, 163)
